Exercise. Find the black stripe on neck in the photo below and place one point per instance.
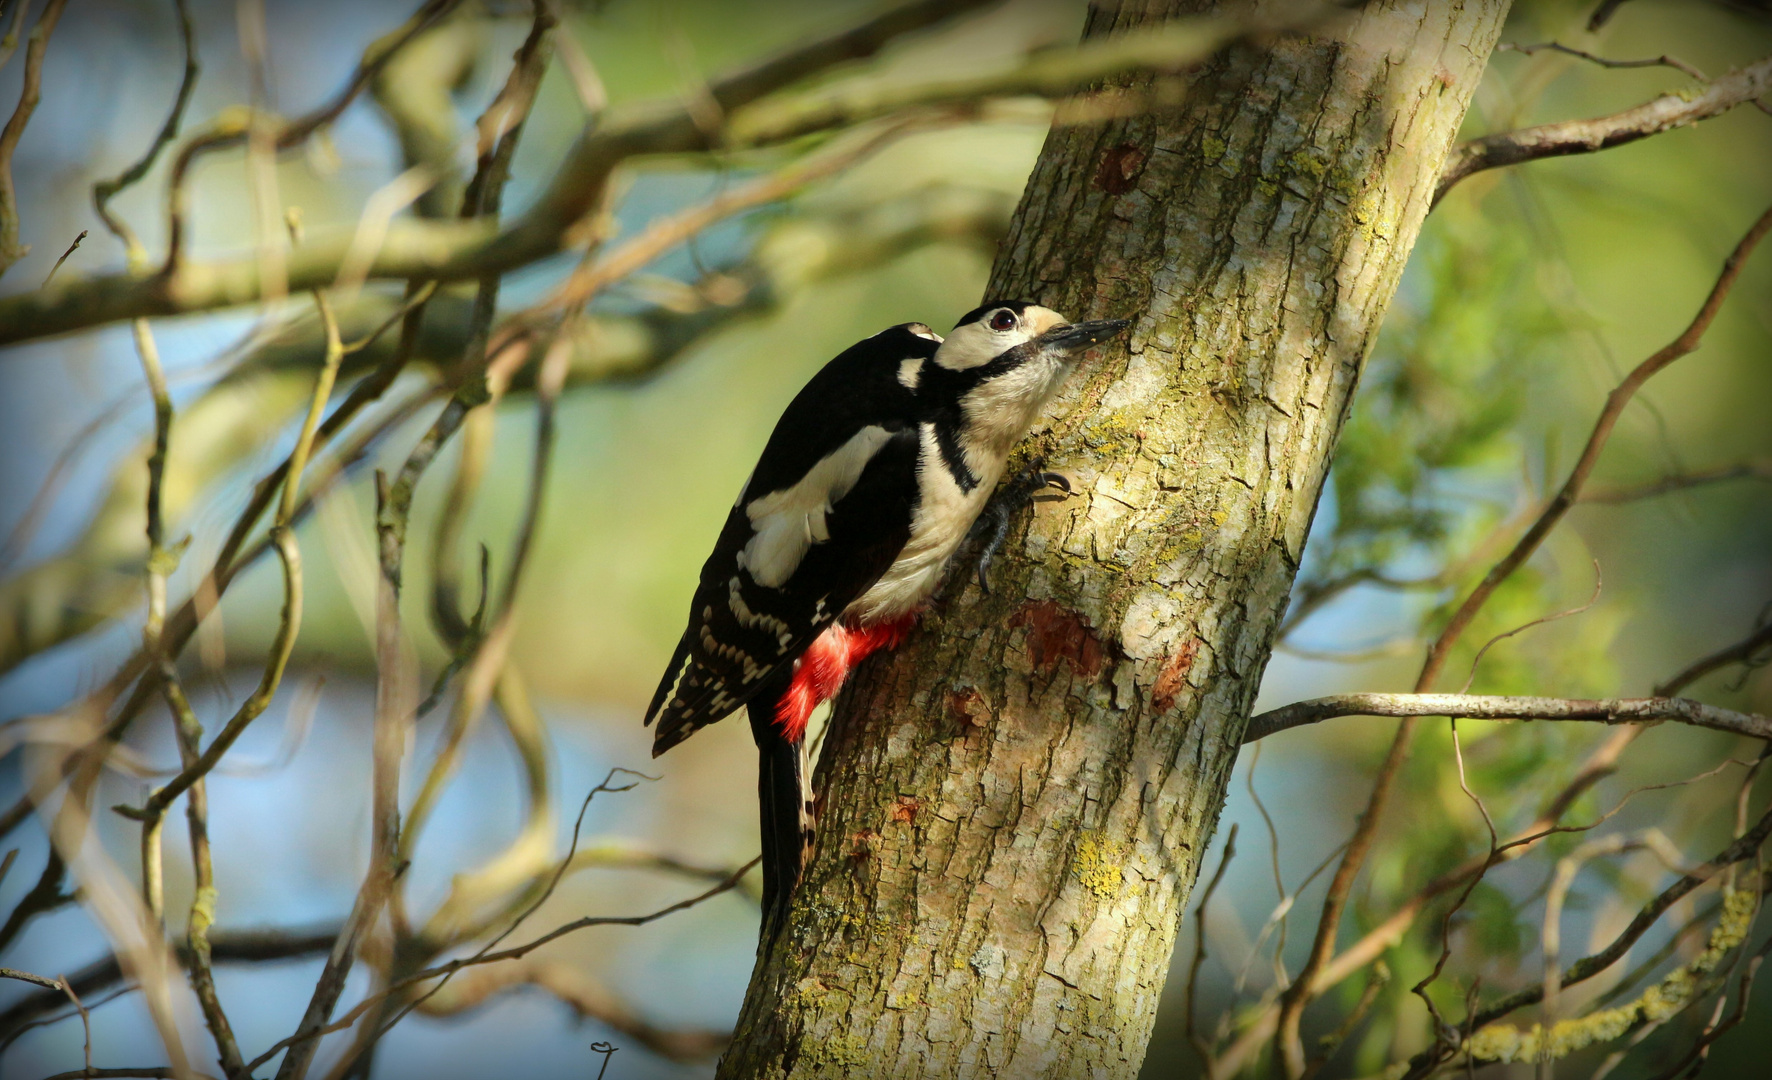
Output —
(947, 439)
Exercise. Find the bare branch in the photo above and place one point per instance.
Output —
(106, 190)
(1743, 470)
(1299, 993)
(73, 247)
(1742, 652)
(237, 126)
(462, 250)
(144, 1072)
(1663, 60)
(1499, 707)
(25, 976)
(1199, 1042)
(1621, 396)
(29, 96)
(588, 997)
(225, 946)
(1665, 113)
(1743, 848)
(9, 43)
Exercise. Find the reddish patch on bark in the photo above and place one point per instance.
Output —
(905, 809)
(1120, 168)
(863, 846)
(966, 707)
(1057, 633)
(1173, 676)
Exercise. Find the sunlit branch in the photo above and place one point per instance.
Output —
(458, 250)
(1743, 848)
(235, 127)
(106, 190)
(1604, 132)
(29, 95)
(1292, 1003)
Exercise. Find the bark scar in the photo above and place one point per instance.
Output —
(1057, 633)
(1173, 676)
(1120, 168)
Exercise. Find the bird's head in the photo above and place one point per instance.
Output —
(1009, 333)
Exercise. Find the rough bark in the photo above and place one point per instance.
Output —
(1015, 803)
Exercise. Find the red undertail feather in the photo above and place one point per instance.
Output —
(824, 666)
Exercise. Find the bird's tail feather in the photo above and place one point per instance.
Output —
(786, 800)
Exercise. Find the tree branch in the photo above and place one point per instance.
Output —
(225, 946)
(1299, 993)
(29, 95)
(1500, 707)
(1741, 470)
(1743, 848)
(1666, 112)
(453, 251)
(1742, 652)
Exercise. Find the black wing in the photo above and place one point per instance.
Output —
(744, 635)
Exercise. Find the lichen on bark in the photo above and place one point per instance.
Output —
(1015, 803)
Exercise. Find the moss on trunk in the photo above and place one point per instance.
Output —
(1015, 803)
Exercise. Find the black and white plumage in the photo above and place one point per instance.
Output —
(868, 485)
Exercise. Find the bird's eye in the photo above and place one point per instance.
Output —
(1003, 319)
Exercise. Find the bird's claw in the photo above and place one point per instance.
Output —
(1033, 484)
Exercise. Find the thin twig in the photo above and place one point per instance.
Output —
(29, 95)
(458, 251)
(1655, 61)
(1744, 470)
(1621, 395)
(1201, 1046)
(106, 190)
(394, 709)
(1745, 651)
(236, 555)
(73, 247)
(203, 897)
(484, 957)
(85, 1022)
(1505, 707)
(236, 127)
(1666, 112)
(25, 976)
(9, 43)
(666, 233)
(1586, 968)
(282, 537)
(45, 896)
(1298, 994)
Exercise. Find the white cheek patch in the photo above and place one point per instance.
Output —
(789, 521)
(910, 372)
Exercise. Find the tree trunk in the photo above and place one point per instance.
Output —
(1015, 803)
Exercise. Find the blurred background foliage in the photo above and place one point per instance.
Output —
(1530, 293)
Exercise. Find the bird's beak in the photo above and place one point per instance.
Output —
(1075, 337)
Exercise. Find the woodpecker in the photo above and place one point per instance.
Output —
(870, 482)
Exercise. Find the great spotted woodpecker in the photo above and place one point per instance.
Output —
(870, 482)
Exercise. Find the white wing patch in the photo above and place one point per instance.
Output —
(910, 372)
(789, 521)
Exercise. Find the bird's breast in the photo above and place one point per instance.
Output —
(944, 515)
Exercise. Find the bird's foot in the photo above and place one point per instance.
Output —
(1032, 484)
